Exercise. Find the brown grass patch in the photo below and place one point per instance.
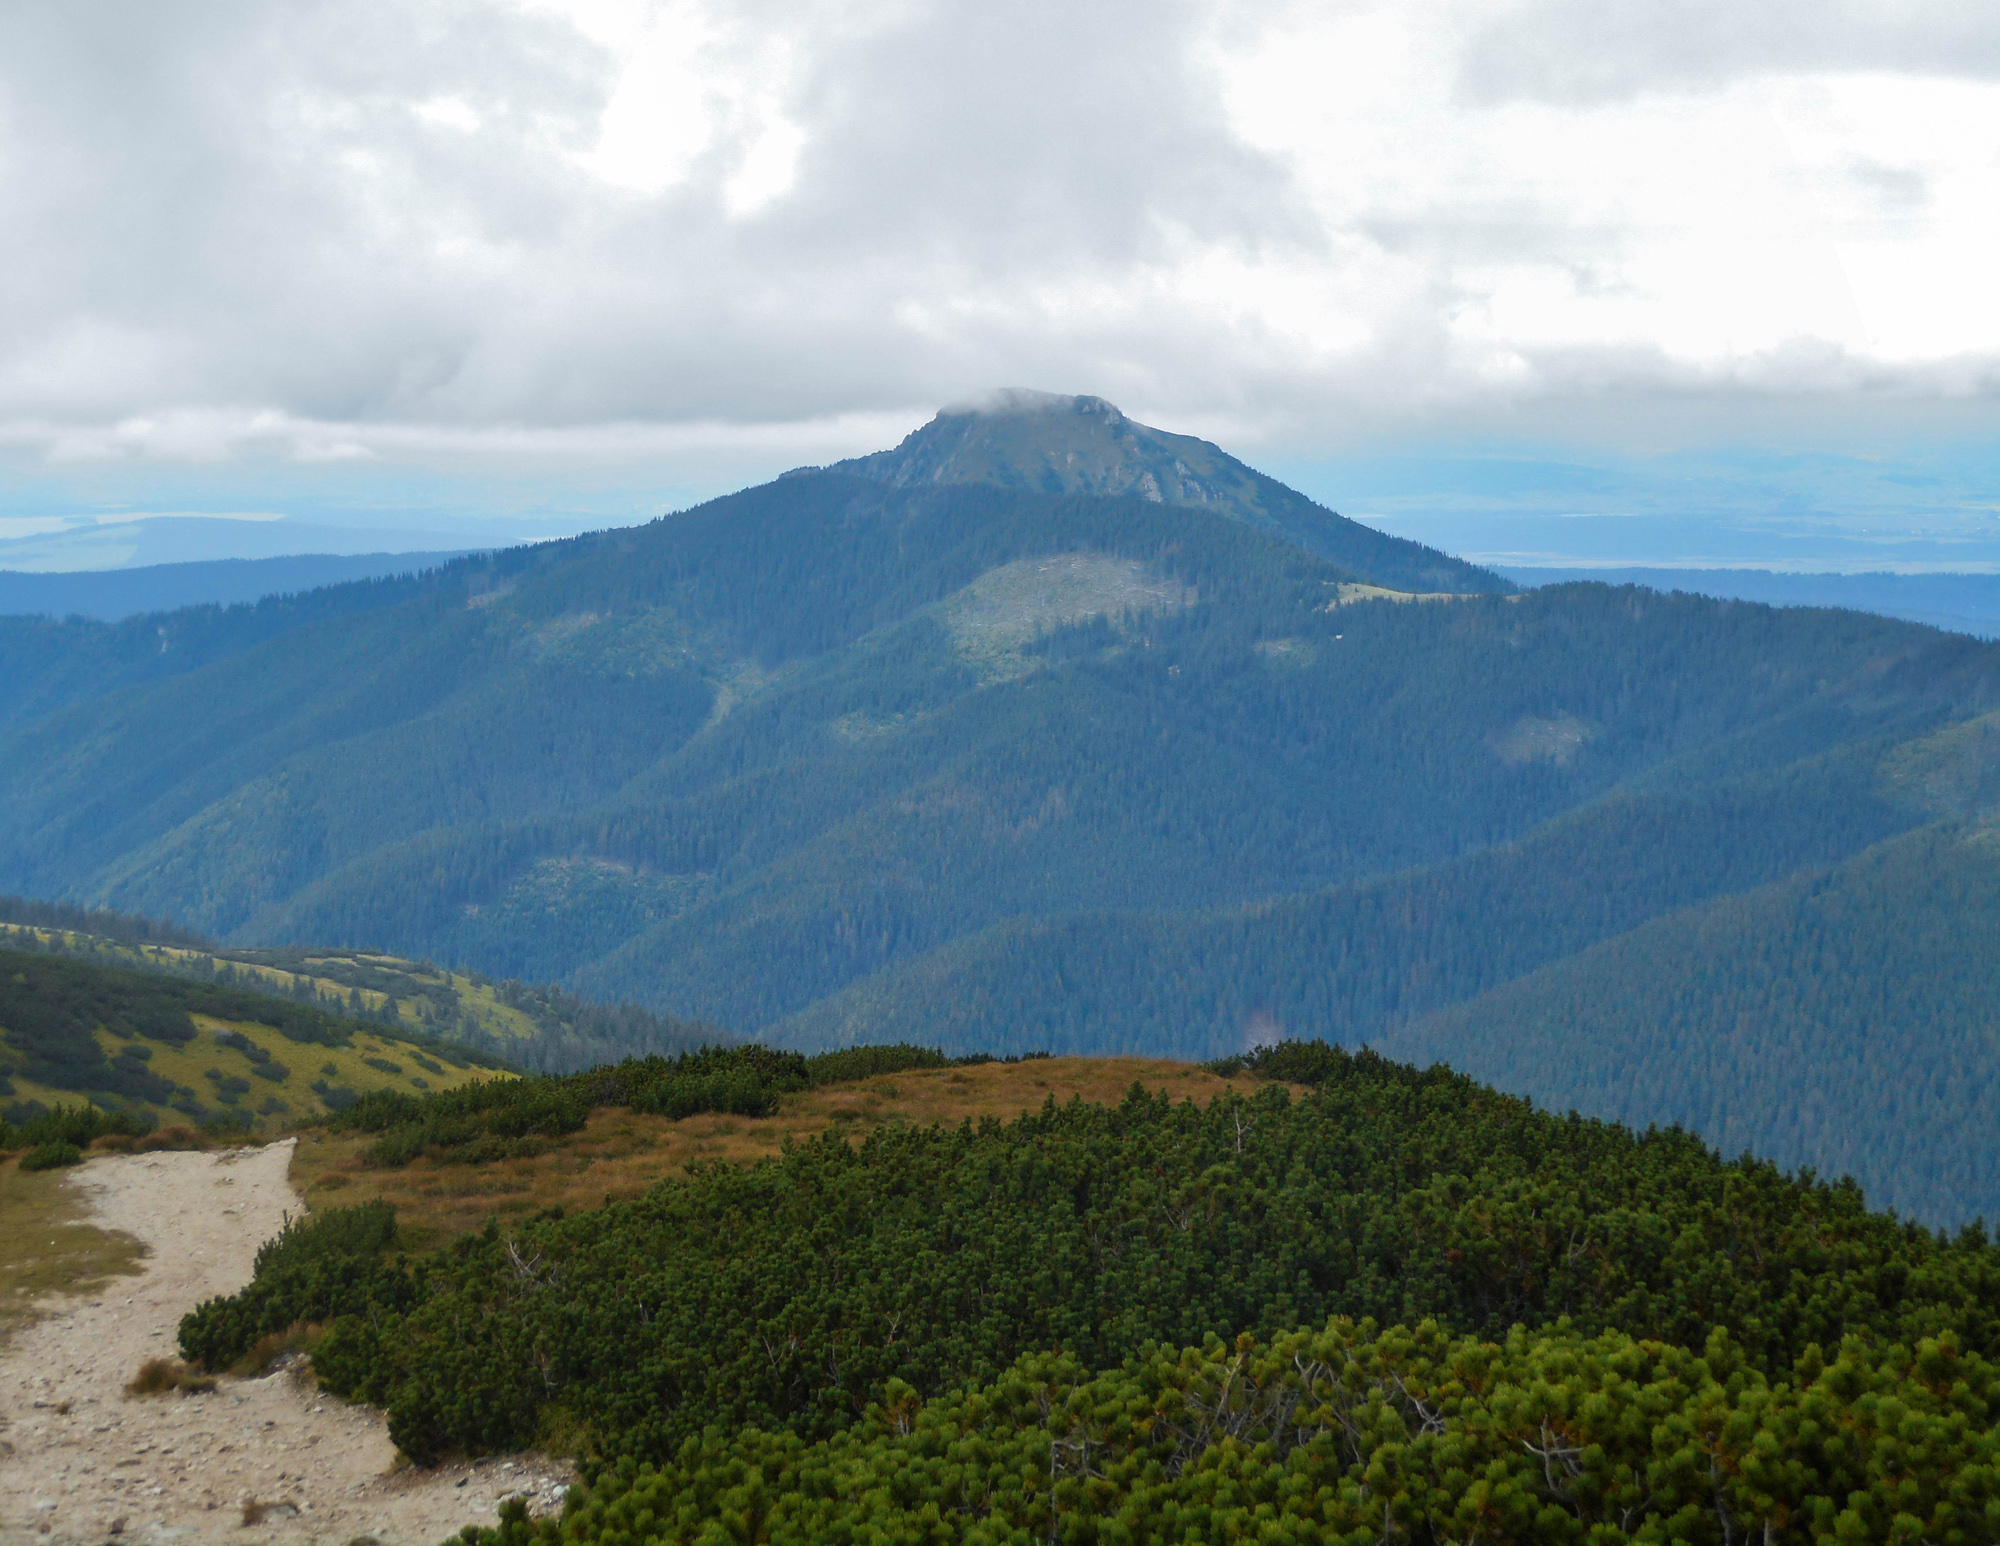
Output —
(158, 1376)
(300, 1337)
(620, 1154)
(173, 1138)
(151, 1143)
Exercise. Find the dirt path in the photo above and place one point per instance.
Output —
(81, 1463)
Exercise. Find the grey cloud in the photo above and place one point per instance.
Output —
(1591, 51)
(231, 226)
(235, 204)
(1897, 189)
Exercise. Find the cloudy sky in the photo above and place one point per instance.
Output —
(426, 260)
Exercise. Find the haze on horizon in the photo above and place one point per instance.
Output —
(576, 261)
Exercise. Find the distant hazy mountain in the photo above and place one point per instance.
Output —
(1963, 603)
(1051, 444)
(112, 594)
(841, 758)
(187, 539)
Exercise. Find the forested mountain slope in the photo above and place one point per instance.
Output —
(1700, 953)
(51, 662)
(1846, 1019)
(1353, 962)
(115, 594)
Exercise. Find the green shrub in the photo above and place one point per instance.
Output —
(32, 1124)
(789, 1295)
(1353, 1435)
(51, 1156)
(1289, 1062)
(316, 1270)
(850, 1063)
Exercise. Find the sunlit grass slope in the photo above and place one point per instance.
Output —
(531, 1025)
(359, 982)
(179, 1052)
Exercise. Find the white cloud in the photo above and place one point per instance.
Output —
(1586, 51)
(344, 229)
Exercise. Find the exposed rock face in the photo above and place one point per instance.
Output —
(1057, 444)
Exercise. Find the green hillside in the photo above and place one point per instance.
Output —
(1712, 957)
(531, 1025)
(1282, 1316)
(169, 1050)
(788, 728)
(55, 662)
(1351, 963)
(880, 801)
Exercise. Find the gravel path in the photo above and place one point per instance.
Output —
(82, 1463)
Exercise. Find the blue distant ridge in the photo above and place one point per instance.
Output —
(1958, 603)
(110, 595)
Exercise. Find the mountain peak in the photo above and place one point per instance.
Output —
(1058, 443)
(1054, 443)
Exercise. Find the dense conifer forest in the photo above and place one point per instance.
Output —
(1363, 1303)
(1760, 1022)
